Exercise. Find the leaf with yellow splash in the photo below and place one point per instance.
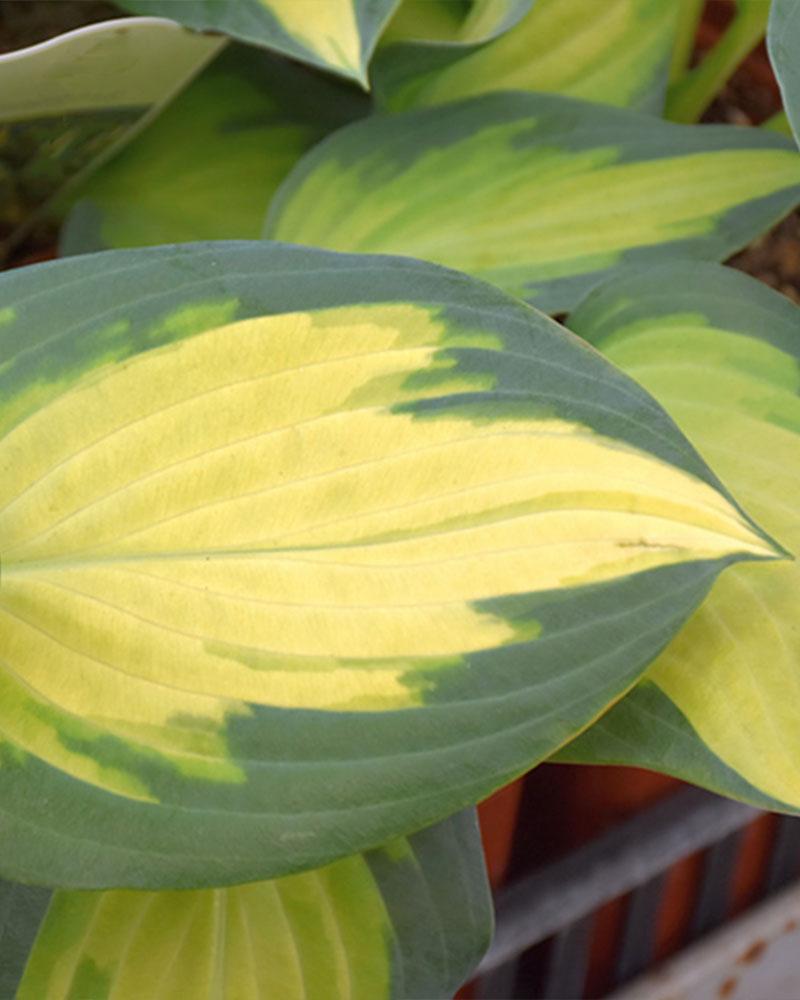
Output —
(300, 551)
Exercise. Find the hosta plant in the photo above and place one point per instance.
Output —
(315, 526)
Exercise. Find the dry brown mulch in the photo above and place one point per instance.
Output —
(775, 258)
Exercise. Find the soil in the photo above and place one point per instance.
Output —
(27, 22)
(775, 258)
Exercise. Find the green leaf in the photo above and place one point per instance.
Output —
(722, 353)
(616, 52)
(783, 44)
(68, 103)
(426, 21)
(303, 551)
(541, 195)
(337, 35)
(208, 167)
(408, 920)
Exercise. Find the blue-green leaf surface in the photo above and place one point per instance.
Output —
(783, 43)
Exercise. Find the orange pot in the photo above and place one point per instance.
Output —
(601, 797)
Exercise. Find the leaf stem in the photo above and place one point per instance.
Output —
(687, 19)
(688, 98)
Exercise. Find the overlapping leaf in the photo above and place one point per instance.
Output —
(67, 103)
(407, 920)
(425, 37)
(617, 52)
(425, 21)
(542, 195)
(302, 551)
(338, 35)
(722, 353)
(783, 42)
(207, 168)
(460, 24)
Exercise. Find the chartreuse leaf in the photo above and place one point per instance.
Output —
(783, 44)
(302, 551)
(722, 353)
(67, 103)
(338, 35)
(542, 195)
(617, 52)
(207, 168)
(426, 21)
(407, 920)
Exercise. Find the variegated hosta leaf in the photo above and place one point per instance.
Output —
(338, 35)
(542, 195)
(426, 36)
(302, 551)
(615, 51)
(408, 920)
(68, 102)
(721, 352)
(207, 168)
(462, 24)
(783, 43)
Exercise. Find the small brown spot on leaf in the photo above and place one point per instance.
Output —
(753, 953)
(727, 988)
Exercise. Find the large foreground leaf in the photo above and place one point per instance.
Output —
(615, 51)
(303, 551)
(542, 195)
(208, 167)
(783, 42)
(69, 102)
(408, 920)
(722, 353)
(22, 908)
(338, 35)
